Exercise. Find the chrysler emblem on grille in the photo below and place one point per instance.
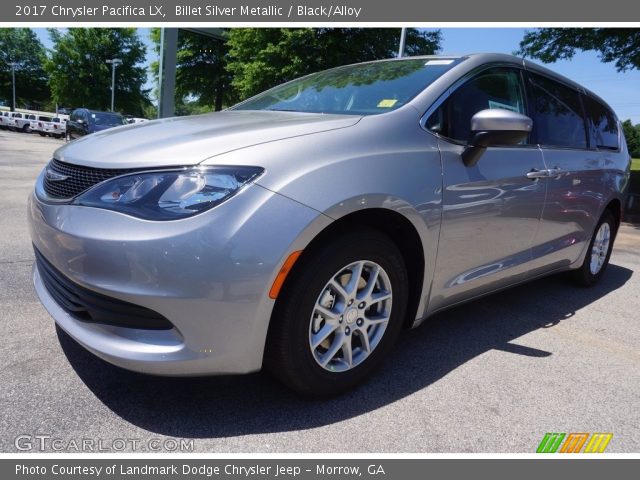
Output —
(54, 176)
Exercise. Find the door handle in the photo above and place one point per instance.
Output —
(546, 173)
(534, 174)
(555, 172)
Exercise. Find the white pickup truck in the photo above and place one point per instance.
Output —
(55, 127)
(39, 118)
(10, 121)
(4, 117)
(21, 122)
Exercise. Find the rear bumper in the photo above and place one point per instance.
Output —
(53, 131)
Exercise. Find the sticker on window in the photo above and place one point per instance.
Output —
(438, 62)
(387, 103)
(493, 105)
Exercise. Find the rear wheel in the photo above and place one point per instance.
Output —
(597, 257)
(340, 314)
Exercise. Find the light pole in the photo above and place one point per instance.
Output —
(13, 77)
(114, 62)
(403, 41)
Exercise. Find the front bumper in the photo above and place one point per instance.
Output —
(209, 275)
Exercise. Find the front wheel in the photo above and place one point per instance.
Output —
(597, 257)
(340, 313)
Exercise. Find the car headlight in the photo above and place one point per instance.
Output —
(169, 194)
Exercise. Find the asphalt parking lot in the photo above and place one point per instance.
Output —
(492, 376)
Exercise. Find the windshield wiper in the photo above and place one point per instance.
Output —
(283, 110)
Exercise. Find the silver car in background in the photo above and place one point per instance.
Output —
(302, 229)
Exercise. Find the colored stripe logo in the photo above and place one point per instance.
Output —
(598, 442)
(573, 442)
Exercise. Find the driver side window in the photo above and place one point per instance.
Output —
(493, 88)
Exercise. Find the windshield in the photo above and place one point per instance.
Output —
(363, 89)
(109, 119)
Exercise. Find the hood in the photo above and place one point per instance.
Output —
(190, 140)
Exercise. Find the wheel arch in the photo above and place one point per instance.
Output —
(615, 207)
(391, 223)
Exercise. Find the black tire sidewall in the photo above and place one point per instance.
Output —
(584, 273)
(300, 371)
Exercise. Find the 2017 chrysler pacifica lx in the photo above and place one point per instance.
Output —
(303, 228)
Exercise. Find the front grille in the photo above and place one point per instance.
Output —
(90, 306)
(79, 179)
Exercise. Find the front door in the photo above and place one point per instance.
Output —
(491, 211)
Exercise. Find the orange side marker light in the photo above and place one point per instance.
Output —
(282, 274)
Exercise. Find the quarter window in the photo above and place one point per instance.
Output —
(558, 119)
(603, 125)
(493, 88)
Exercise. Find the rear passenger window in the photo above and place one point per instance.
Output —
(603, 125)
(558, 118)
(494, 88)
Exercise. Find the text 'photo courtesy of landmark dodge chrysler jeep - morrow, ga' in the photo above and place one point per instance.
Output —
(303, 228)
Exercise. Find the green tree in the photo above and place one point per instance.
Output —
(619, 45)
(201, 75)
(22, 47)
(260, 58)
(632, 135)
(80, 77)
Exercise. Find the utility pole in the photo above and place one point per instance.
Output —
(160, 74)
(403, 41)
(13, 76)
(114, 62)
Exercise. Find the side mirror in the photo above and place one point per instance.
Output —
(497, 127)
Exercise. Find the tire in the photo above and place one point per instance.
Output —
(599, 251)
(291, 355)
(41, 134)
(26, 129)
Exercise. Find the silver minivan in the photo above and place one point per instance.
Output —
(303, 229)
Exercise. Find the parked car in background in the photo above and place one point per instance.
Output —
(136, 120)
(4, 116)
(34, 123)
(23, 123)
(83, 121)
(303, 229)
(12, 118)
(54, 127)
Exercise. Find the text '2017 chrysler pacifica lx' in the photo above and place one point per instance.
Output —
(302, 229)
